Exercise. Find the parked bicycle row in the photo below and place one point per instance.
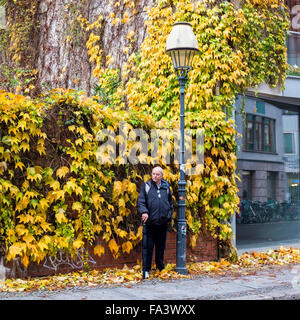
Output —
(271, 211)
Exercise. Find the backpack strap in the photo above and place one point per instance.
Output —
(147, 187)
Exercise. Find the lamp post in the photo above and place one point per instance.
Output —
(181, 45)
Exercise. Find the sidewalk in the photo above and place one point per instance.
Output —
(274, 282)
(271, 282)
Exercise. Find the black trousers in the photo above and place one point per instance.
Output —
(156, 236)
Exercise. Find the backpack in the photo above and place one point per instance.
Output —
(148, 187)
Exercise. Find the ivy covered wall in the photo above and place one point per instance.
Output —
(54, 193)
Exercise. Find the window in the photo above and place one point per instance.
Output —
(259, 134)
(250, 133)
(293, 38)
(289, 143)
(293, 185)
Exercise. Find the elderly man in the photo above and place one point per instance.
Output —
(155, 206)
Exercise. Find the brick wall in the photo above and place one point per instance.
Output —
(206, 250)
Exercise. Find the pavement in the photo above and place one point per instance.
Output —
(272, 283)
(267, 283)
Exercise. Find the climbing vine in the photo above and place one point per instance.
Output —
(55, 194)
(19, 44)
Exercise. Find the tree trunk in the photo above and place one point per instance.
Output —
(56, 45)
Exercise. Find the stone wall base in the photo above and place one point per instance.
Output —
(206, 249)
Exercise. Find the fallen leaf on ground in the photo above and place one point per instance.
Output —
(246, 264)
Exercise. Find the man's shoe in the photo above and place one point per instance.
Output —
(145, 275)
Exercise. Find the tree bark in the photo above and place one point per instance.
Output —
(57, 44)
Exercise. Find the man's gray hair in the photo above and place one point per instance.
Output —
(158, 169)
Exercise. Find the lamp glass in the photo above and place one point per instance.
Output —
(182, 58)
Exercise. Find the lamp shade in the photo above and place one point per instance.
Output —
(182, 45)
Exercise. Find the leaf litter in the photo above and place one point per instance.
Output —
(245, 264)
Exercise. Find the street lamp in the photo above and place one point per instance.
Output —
(182, 45)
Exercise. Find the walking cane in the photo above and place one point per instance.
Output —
(144, 249)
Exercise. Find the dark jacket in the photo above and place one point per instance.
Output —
(159, 209)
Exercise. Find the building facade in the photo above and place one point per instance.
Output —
(260, 151)
(268, 155)
(268, 152)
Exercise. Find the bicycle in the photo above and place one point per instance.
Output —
(249, 212)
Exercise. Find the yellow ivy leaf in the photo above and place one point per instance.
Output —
(102, 188)
(214, 151)
(97, 199)
(220, 185)
(58, 195)
(45, 226)
(55, 185)
(22, 204)
(221, 163)
(26, 218)
(121, 233)
(208, 161)
(42, 245)
(113, 246)
(61, 172)
(131, 187)
(78, 244)
(43, 205)
(61, 217)
(77, 206)
(127, 246)
(24, 146)
(71, 128)
(40, 148)
(15, 250)
(211, 189)
(122, 203)
(97, 228)
(130, 35)
(99, 250)
(71, 185)
(79, 142)
(193, 241)
(25, 260)
(110, 207)
(20, 229)
(19, 165)
(226, 205)
(32, 174)
(117, 188)
(28, 238)
(139, 234)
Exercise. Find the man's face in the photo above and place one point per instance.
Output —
(156, 176)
